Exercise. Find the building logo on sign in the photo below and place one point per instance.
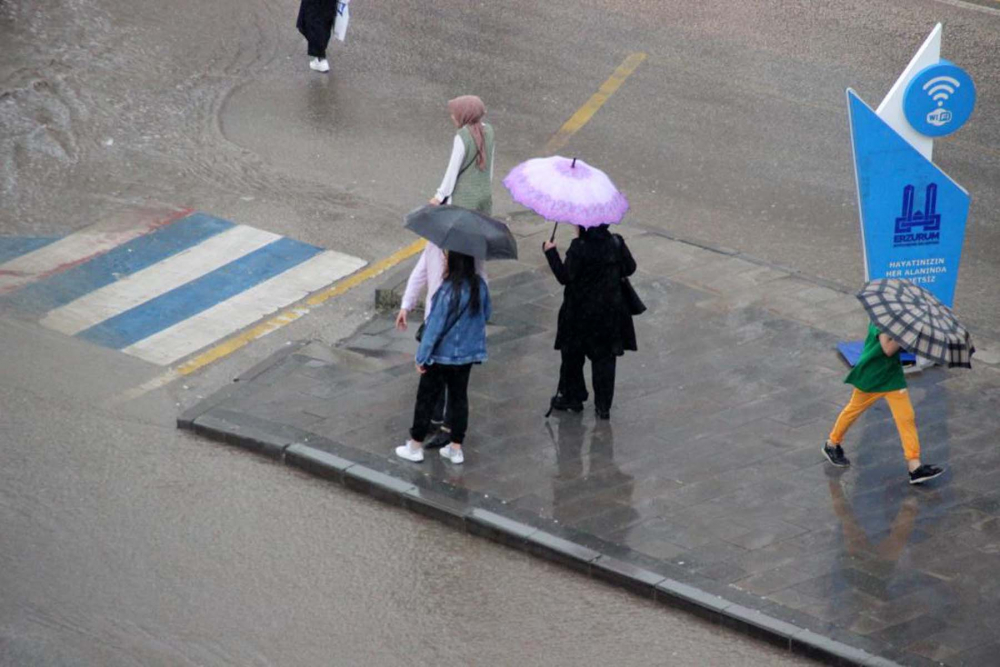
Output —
(918, 227)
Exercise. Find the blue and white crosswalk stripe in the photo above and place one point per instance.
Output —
(15, 246)
(167, 289)
(123, 260)
(160, 278)
(200, 294)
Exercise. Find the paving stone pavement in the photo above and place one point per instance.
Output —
(709, 470)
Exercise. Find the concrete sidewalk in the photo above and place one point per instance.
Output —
(707, 488)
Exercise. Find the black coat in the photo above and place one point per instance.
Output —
(316, 19)
(593, 318)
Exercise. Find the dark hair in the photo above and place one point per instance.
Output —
(462, 269)
(593, 232)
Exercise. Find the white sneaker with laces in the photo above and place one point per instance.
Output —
(410, 452)
(321, 65)
(452, 454)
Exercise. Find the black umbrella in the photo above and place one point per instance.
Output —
(462, 230)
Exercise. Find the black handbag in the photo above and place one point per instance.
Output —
(630, 297)
(423, 325)
(632, 301)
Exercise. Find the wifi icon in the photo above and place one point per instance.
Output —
(940, 88)
(939, 99)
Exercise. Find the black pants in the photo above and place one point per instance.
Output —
(572, 385)
(440, 415)
(315, 22)
(432, 384)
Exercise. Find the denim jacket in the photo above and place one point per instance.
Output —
(455, 342)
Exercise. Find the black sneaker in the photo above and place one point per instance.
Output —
(835, 455)
(925, 473)
(603, 414)
(560, 402)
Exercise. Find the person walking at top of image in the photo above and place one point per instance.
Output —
(454, 340)
(468, 183)
(879, 374)
(594, 322)
(315, 22)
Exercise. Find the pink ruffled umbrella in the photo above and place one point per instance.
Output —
(567, 190)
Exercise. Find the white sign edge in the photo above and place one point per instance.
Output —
(891, 108)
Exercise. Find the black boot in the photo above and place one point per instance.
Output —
(560, 402)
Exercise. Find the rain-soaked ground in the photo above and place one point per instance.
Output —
(122, 542)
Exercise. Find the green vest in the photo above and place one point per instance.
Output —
(473, 188)
(875, 373)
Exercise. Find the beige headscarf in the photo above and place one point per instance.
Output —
(469, 110)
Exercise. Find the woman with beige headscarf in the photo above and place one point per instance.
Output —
(468, 179)
(468, 182)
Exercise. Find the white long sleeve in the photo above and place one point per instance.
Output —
(454, 166)
(416, 282)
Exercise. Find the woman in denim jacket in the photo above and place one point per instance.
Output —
(454, 339)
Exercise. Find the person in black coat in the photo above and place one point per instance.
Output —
(594, 322)
(315, 22)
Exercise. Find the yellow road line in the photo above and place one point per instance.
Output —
(596, 101)
(280, 320)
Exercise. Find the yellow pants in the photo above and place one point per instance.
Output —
(902, 413)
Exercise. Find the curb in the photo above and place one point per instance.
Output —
(389, 293)
(480, 515)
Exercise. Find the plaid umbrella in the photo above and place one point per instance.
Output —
(917, 321)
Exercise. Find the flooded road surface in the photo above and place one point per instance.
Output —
(126, 542)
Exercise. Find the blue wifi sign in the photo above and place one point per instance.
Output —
(939, 99)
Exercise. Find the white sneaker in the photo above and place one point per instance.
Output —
(319, 65)
(452, 454)
(410, 452)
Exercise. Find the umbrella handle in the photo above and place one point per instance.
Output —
(552, 239)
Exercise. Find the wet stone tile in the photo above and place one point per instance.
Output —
(724, 573)
(773, 580)
(708, 554)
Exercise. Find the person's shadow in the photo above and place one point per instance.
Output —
(320, 103)
(588, 478)
(886, 551)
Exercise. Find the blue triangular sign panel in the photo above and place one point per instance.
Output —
(912, 213)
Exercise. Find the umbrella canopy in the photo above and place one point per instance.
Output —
(567, 190)
(917, 321)
(462, 230)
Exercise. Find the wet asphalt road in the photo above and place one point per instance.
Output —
(123, 542)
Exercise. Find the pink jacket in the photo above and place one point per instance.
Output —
(429, 272)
